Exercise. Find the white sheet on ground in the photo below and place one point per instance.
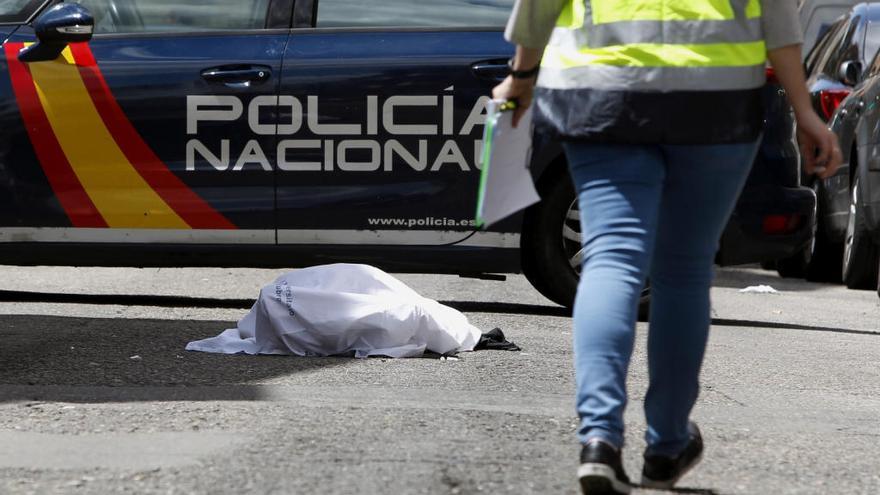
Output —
(339, 309)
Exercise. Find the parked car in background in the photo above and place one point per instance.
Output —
(852, 195)
(774, 214)
(834, 66)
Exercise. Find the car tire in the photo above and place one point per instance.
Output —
(860, 255)
(545, 262)
(551, 243)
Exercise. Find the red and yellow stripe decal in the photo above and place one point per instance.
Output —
(99, 167)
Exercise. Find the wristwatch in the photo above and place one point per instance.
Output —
(523, 74)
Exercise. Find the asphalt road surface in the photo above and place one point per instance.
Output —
(97, 394)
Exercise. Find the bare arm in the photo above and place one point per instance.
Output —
(819, 146)
(530, 26)
(519, 89)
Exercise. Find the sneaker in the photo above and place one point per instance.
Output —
(601, 472)
(661, 471)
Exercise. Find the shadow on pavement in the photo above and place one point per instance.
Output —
(701, 491)
(508, 308)
(121, 360)
(167, 301)
(788, 326)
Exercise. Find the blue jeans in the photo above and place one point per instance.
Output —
(653, 210)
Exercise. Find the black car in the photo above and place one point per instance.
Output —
(281, 134)
(834, 66)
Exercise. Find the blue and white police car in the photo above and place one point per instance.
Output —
(290, 133)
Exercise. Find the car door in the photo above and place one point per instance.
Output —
(144, 133)
(381, 119)
(18, 187)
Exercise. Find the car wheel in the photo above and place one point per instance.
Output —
(544, 252)
(860, 255)
(551, 244)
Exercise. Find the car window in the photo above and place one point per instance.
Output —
(841, 48)
(874, 67)
(828, 55)
(408, 13)
(139, 16)
(8, 7)
(821, 48)
(15, 11)
(872, 40)
(820, 20)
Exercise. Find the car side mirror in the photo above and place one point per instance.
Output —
(62, 24)
(850, 72)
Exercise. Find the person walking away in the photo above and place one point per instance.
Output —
(658, 106)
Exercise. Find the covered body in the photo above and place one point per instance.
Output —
(344, 309)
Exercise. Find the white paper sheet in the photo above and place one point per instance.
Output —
(506, 185)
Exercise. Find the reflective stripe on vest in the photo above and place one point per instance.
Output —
(656, 45)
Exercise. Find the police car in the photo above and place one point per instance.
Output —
(286, 133)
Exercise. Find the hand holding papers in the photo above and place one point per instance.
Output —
(506, 184)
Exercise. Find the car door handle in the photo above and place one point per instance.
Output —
(238, 76)
(495, 70)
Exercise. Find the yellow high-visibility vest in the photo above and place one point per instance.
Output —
(656, 45)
